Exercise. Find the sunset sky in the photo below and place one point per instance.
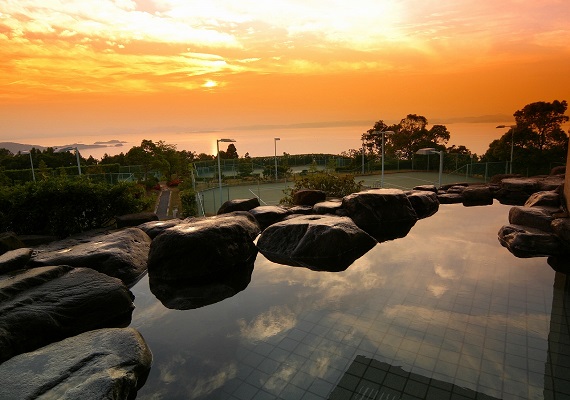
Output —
(74, 68)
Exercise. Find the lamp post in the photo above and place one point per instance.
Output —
(63, 149)
(275, 142)
(430, 150)
(512, 127)
(31, 162)
(383, 140)
(219, 167)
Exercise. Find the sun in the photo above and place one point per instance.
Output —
(210, 84)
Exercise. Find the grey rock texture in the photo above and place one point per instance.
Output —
(425, 203)
(15, 259)
(239, 205)
(268, 215)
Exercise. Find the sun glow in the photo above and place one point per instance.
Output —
(210, 84)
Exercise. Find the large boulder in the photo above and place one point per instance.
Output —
(534, 217)
(127, 220)
(317, 242)
(424, 202)
(9, 241)
(46, 304)
(544, 199)
(561, 227)
(155, 228)
(516, 191)
(327, 207)
(121, 254)
(268, 215)
(307, 197)
(203, 248)
(477, 196)
(15, 259)
(101, 364)
(239, 205)
(524, 241)
(450, 198)
(385, 214)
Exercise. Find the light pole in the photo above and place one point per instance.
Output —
(275, 142)
(430, 150)
(31, 162)
(512, 127)
(219, 168)
(63, 149)
(383, 140)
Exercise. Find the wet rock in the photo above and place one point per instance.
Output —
(450, 198)
(121, 254)
(317, 242)
(203, 248)
(425, 203)
(46, 304)
(308, 197)
(127, 220)
(238, 205)
(426, 188)
(327, 207)
(155, 228)
(477, 196)
(517, 191)
(9, 241)
(101, 364)
(543, 199)
(534, 217)
(561, 227)
(385, 214)
(524, 242)
(268, 215)
(15, 259)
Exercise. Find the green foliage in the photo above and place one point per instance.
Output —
(188, 203)
(63, 207)
(332, 185)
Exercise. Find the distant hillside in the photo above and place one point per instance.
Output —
(16, 147)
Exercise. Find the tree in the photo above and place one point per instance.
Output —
(231, 152)
(544, 119)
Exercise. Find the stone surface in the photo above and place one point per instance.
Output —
(307, 197)
(9, 241)
(534, 217)
(127, 220)
(46, 304)
(558, 170)
(477, 196)
(450, 198)
(121, 254)
(155, 228)
(456, 189)
(14, 259)
(317, 242)
(524, 241)
(543, 199)
(327, 207)
(561, 227)
(101, 364)
(427, 188)
(203, 248)
(268, 215)
(385, 214)
(425, 203)
(303, 210)
(239, 205)
(552, 182)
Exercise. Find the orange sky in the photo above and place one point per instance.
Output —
(82, 67)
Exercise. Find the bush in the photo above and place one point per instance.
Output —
(63, 207)
(188, 203)
(332, 185)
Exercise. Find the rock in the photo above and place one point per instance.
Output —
(46, 304)
(426, 188)
(239, 205)
(37, 240)
(303, 210)
(14, 259)
(559, 264)
(121, 254)
(127, 220)
(477, 196)
(516, 191)
(327, 207)
(203, 248)
(497, 179)
(450, 198)
(101, 364)
(306, 197)
(317, 242)
(155, 228)
(551, 182)
(385, 214)
(543, 199)
(559, 170)
(561, 227)
(9, 241)
(456, 189)
(533, 217)
(268, 215)
(525, 242)
(425, 203)
(181, 295)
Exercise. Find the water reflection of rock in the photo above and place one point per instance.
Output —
(192, 294)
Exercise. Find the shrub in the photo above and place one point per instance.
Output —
(188, 203)
(332, 185)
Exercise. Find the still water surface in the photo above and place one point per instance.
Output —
(446, 303)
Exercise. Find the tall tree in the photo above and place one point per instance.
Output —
(544, 119)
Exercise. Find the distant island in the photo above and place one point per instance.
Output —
(114, 141)
(14, 147)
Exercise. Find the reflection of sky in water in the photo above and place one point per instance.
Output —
(447, 302)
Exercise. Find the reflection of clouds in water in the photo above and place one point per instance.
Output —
(204, 386)
(270, 323)
(437, 290)
(444, 273)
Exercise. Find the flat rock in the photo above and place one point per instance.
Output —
(543, 199)
(121, 254)
(14, 259)
(525, 242)
(450, 198)
(203, 248)
(385, 214)
(533, 217)
(155, 228)
(46, 304)
(477, 196)
(317, 242)
(425, 203)
(268, 215)
(327, 207)
(239, 205)
(308, 197)
(303, 210)
(9, 241)
(426, 188)
(101, 364)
